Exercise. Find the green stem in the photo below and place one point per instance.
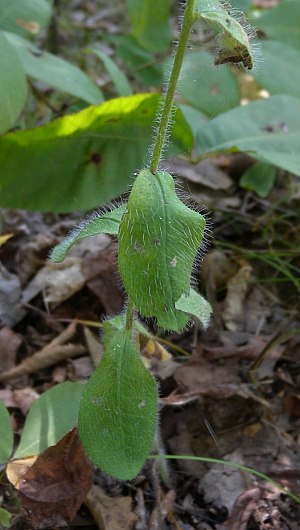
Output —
(231, 464)
(165, 117)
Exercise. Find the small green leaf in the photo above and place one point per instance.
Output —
(54, 71)
(233, 41)
(269, 130)
(194, 304)
(6, 438)
(13, 85)
(259, 178)
(207, 88)
(118, 410)
(150, 23)
(118, 77)
(4, 518)
(50, 418)
(107, 223)
(25, 17)
(282, 22)
(158, 240)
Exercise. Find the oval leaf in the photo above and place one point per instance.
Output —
(6, 438)
(118, 411)
(268, 129)
(107, 223)
(13, 85)
(53, 415)
(150, 23)
(207, 88)
(85, 159)
(158, 241)
(54, 71)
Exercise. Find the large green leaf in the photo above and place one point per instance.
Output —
(282, 22)
(6, 438)
(82, 160)
(208, 88)
(107, 223)
(54, 71)
(25, 17)
(269, 130)
(159, 237)
(13, 85)
(118, 410)
(150, 23)
(280, 71)
(53, 415)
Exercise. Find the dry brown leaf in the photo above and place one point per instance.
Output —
(9, 344)
(16, 469)
(55, 486)
(234, 306)
(110, 513)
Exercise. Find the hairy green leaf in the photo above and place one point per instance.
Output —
(85, 159)
(6, 438)
(13, 85)
(233, 41)
(50, 418)
(118, 410)
(194, 304)
(54, 71)
(107, 223)
(269, 130)
(158, 241)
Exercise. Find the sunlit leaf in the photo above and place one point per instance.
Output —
(83, 160)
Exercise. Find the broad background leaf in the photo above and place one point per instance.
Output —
(118, 410)
(54, 71)
(280, 70)
(6, 438)
(259, 178)
(269, 130)
(282, 22)
(13, 85)
(25, 17)
(50, 417)
(85, 159)
(140, 62)
(206, 87)
(118, 77)
(150, 23)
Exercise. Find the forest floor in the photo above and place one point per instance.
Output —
(231, 392)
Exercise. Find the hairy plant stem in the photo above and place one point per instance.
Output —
(164, 121)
